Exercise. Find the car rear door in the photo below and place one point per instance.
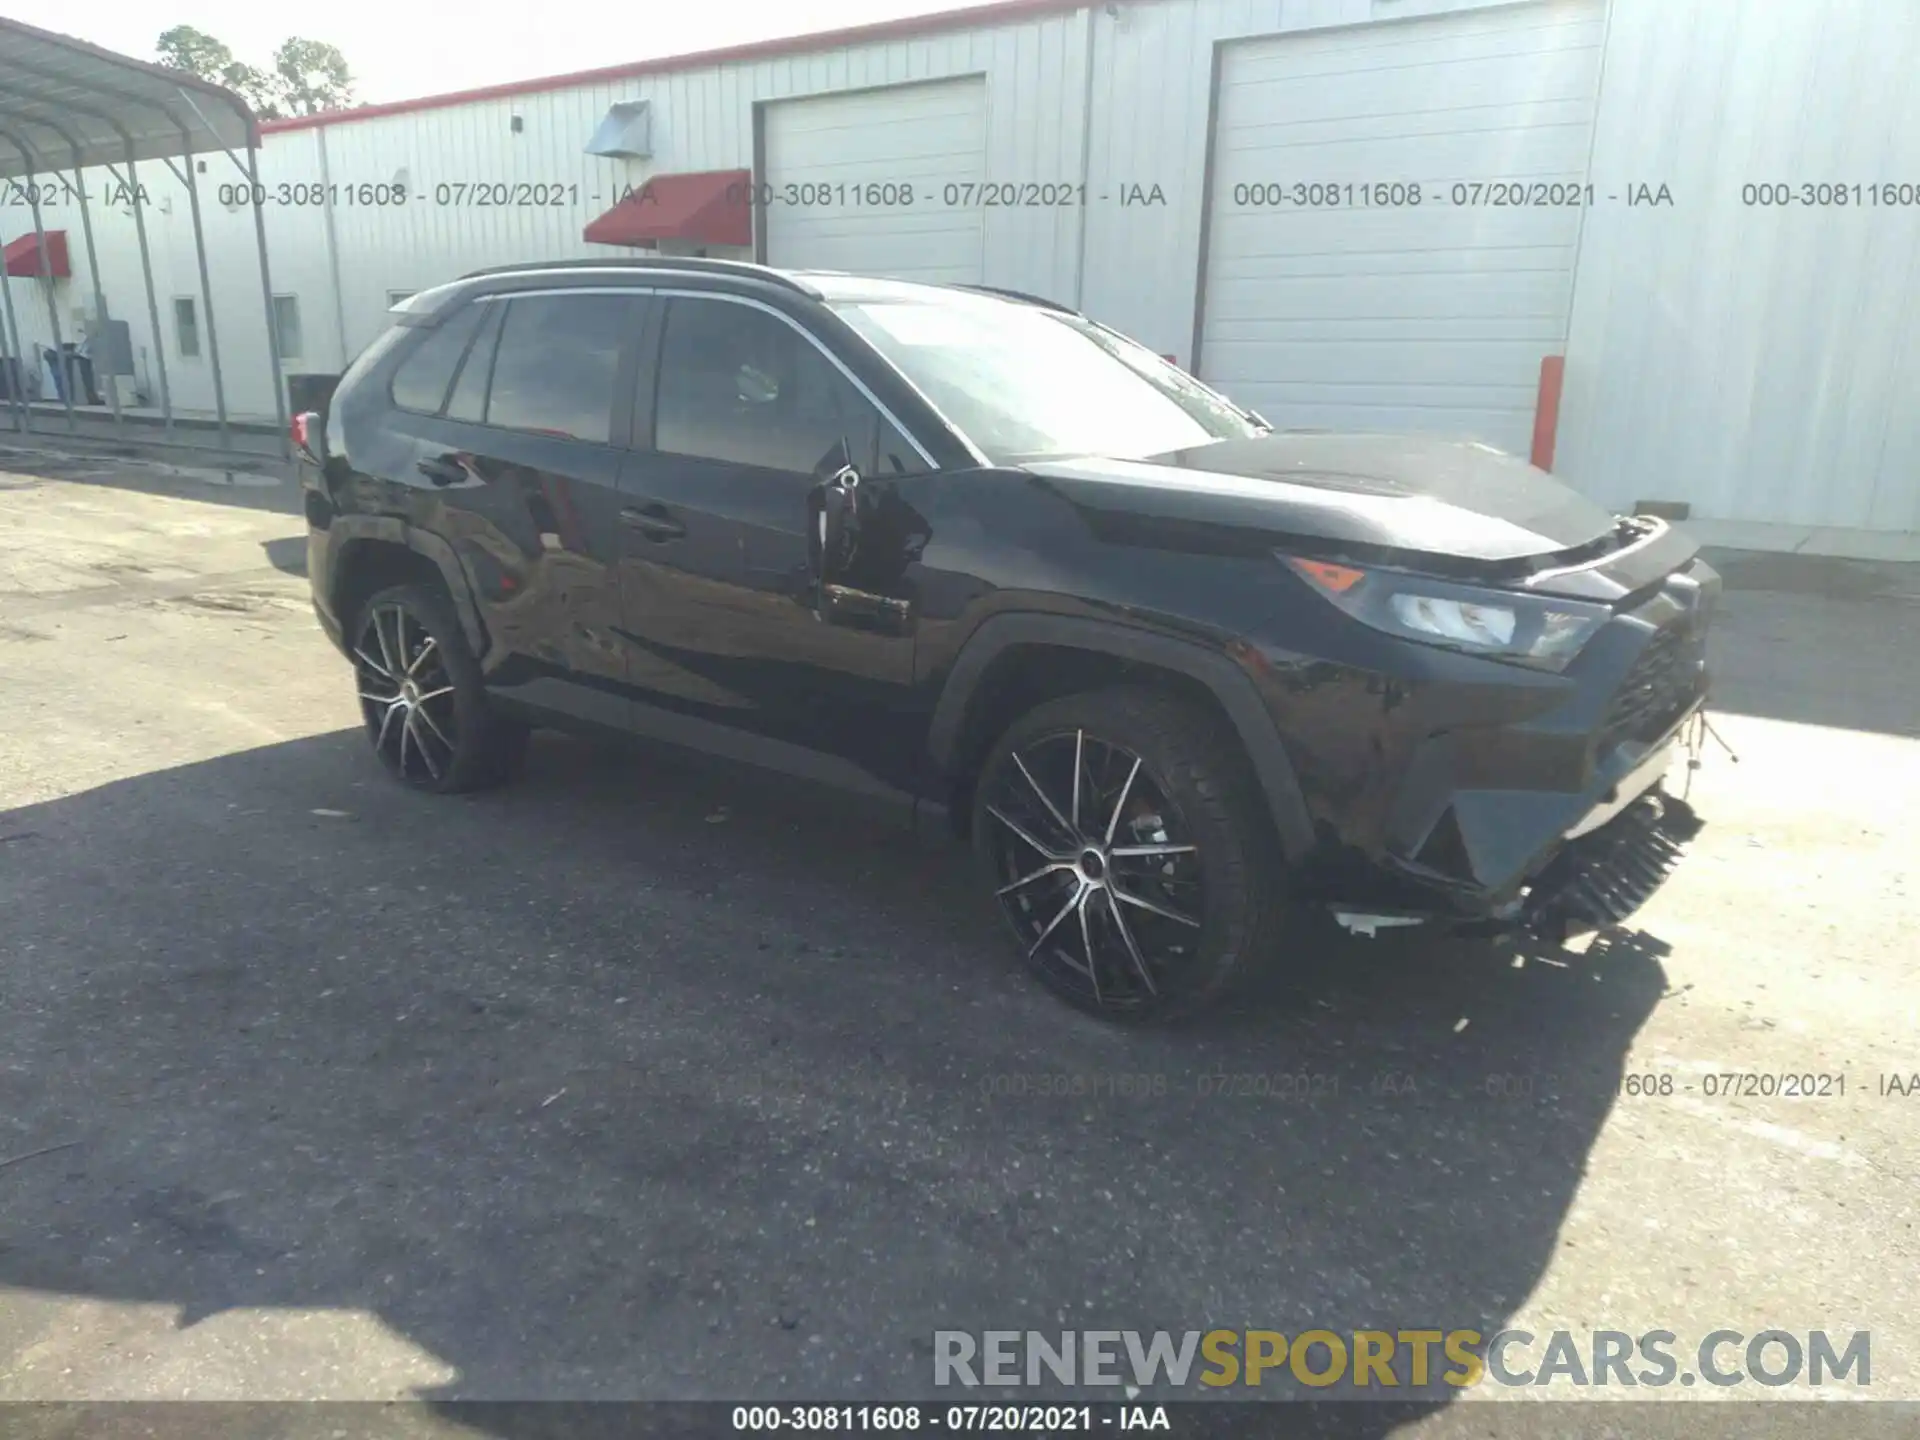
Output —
(741, 414)
(526, 470)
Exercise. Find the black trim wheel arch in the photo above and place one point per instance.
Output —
(1230, 686)
(346, 530)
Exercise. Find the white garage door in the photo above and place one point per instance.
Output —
(1352, 309)
(838, 165)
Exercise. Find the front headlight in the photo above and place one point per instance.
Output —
(1527, 629)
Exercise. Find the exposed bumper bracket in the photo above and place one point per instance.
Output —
(1630, 787)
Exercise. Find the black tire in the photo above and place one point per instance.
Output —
(1191, 800)
(421, 696)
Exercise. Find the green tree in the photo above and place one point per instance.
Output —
(201, 54)
(311, 76)
(194, 51)
(308, 76)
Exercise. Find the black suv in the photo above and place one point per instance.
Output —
(1182, 678)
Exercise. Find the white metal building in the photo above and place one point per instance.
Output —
(1311, 203)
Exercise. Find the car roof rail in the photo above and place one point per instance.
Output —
(1021, 295)
(690, 264)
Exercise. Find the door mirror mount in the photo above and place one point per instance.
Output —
(838, 526)
(834, 520)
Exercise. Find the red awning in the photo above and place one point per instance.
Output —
(709, 207)
(23, 255)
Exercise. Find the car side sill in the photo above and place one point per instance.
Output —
(654, 723)
(639, 721)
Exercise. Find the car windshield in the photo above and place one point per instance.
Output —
(1023, 383)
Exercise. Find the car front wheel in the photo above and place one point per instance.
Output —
(422, 698)
(1127, 853)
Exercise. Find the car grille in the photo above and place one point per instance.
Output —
(1661, 685)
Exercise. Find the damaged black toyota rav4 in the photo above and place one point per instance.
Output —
(1182, 679)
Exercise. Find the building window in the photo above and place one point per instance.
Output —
(186, 327)
(286, 325)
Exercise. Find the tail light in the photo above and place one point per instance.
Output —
(305, 431)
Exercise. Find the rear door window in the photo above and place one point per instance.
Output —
(558, 365)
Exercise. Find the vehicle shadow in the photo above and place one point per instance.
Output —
(658, 1077)
(288, 553)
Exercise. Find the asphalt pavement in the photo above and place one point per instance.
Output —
(660, 1077)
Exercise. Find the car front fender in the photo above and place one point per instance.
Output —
(1231, 687)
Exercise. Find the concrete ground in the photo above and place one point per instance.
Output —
(141, 428)
(653, 1076)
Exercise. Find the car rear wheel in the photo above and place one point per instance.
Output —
(422, 699)
(1126, 853)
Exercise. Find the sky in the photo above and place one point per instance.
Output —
(400, 49)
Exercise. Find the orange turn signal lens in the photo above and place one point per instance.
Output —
(1335, 579)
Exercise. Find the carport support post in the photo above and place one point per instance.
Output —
(22, 417)
(153, 303)
(99, 297)
(266, 295)
(206, 290)
(62, 371)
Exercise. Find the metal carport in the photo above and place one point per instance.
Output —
(67, 106)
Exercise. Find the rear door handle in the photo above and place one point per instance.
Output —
(655, 522)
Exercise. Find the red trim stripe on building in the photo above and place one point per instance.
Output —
(1006, 10)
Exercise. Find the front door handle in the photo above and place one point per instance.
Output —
(655, 522)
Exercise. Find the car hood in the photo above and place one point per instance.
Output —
(1449, 499)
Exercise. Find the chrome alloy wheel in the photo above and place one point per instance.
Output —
(406, 694)
(1095, 869)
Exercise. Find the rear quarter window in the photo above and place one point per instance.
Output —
(422, 380)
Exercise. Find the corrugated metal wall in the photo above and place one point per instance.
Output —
(1428, 317)
(1761, 362)
(1152, 91)
(702, 120)
(1141, 71)
(1756, 361)
(295, 243)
